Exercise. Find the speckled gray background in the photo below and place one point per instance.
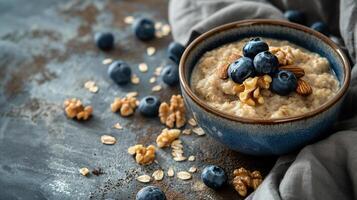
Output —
(46, 55)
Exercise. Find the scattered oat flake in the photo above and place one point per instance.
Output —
(89, 84)
(107, 139)
(84, 171)
(158, 71)
(132, 94)
(144, 178)
(180, 158)
(158, 25)
(152, 80)
(176, 143)
(170, 172)
(132, 150)
(166, 29)
(191, 158)
(177, 147)
(183, 175)
(143, 67)
(192, 169)
(129, 19)
(199, 131)
(192, 122)
(186, 131)
(107, 61)
(156, 88)
(158, 175)
(135, 79)
(118, 126)
(94, 89)
(179, 151)
(150, 51)
(158, 34)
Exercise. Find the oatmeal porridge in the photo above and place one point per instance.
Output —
(254, 98)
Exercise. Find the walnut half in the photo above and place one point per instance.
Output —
(75, 109)
(167, 136)
(244, 179)
(224, 65)
(126, 105)
(252, 87)
(284, 55)
(143, 155)
(173, 114)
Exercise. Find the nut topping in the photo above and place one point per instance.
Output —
(167, 136)
(243, 179)
(298, 71)
(283, 54)
(252, 88)
(75, 109)
(224, 65)
(173, 114)
(303, 88)
(126, 105)
(143, 156)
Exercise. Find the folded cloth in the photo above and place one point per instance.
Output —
(324, 170)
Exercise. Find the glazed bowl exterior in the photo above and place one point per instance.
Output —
(265, 136)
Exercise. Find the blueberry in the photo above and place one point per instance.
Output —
(213, 176)
(104, 41)
(149, 106)
(170, 75)
(175, 51)
(284, 82)
(150, 193)
(241, 69)
(253, 47)
(144, 29)
(295, 16)
(321, 27)
(265, 63)
(120, 72)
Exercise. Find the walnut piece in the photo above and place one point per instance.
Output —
(298, 71)
(167, 136)
(283, 54)
(244, 179)
(252, 86)
(143, 155)
(75, 109)
(224, 65)
(126, 105)
(173, 114)
(303, 88)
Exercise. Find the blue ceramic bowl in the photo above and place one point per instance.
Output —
(265, 136)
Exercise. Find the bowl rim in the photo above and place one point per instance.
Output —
(250, 22)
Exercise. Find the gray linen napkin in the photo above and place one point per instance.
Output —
(324, 170)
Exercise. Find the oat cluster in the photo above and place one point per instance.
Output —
(174, 114)
(249, 91)
(75, 109)
(167, 136)
(177, 151)
(126, 105)
(244, 179)
(283, 54)
(143, 155)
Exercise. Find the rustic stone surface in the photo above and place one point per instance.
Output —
(42, 65)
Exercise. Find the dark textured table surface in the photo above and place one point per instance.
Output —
(46, 55)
